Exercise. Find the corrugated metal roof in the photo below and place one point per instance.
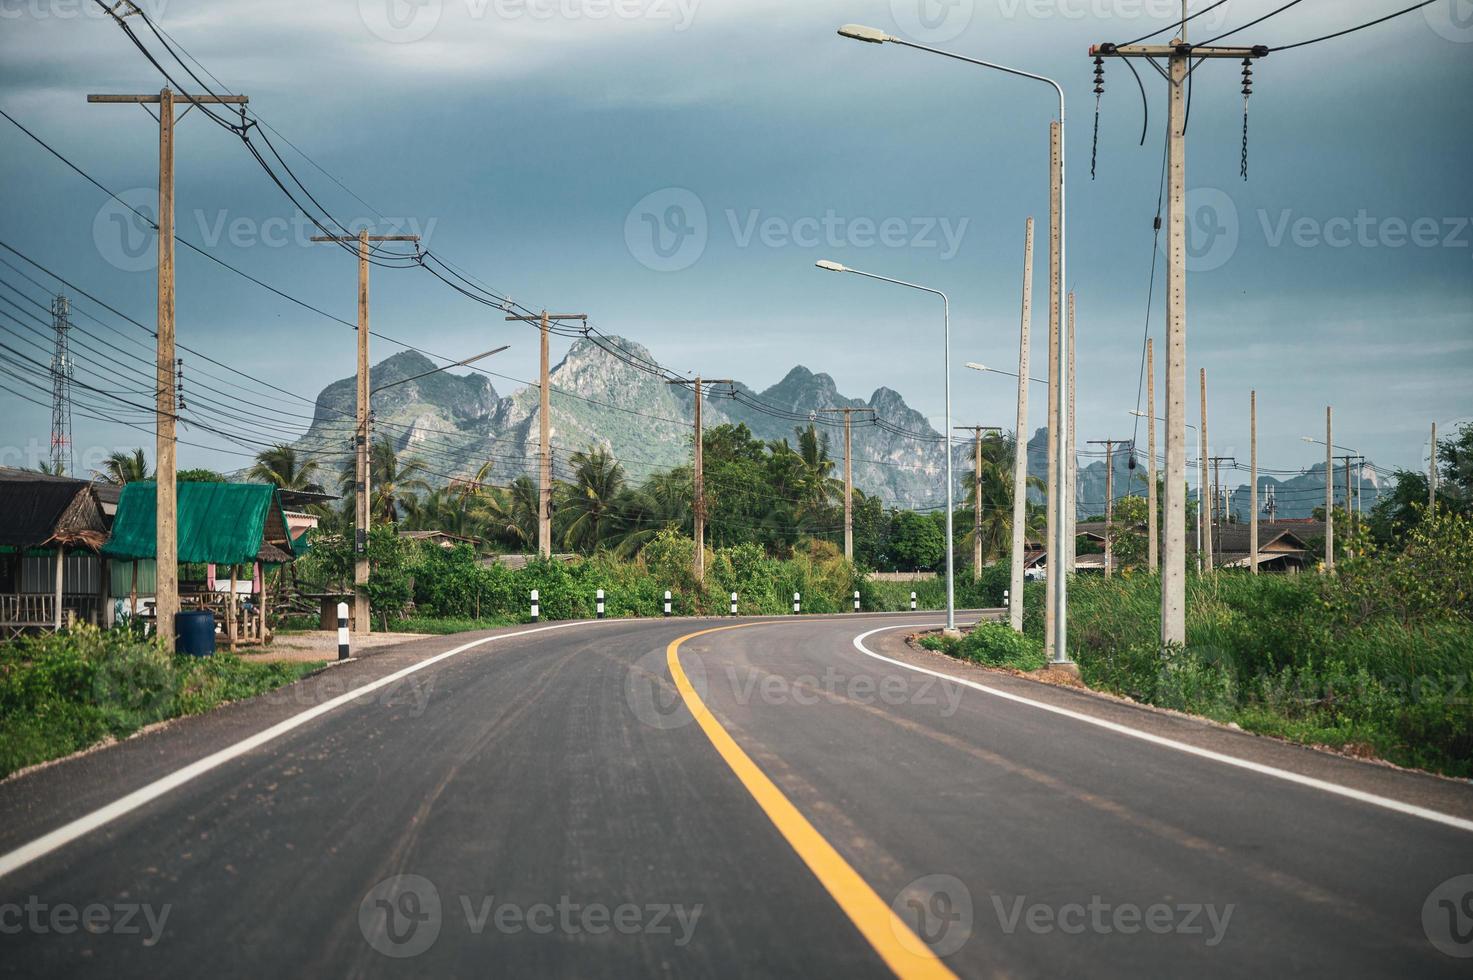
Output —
(224, 523)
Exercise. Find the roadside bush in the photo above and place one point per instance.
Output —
(60, 693)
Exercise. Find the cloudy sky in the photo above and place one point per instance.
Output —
(674, 168)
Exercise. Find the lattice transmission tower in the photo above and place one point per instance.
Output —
(61, 390)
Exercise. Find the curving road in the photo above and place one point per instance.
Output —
(679, 797)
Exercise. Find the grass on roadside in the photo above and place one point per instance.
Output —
(63, 693)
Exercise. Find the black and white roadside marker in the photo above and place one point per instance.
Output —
(343, 653)
(536, 606)
(600, 603)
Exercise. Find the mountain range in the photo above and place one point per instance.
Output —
(455, 423)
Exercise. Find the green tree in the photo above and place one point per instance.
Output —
(917, 542)
(283, 466)
(123, 467)
(588, 505)
(392, 481)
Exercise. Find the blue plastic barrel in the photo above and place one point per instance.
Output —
(195, 632)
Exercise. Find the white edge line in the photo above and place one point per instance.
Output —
(1284, 774)
(61, 836)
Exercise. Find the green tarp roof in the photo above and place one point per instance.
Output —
(224, 523)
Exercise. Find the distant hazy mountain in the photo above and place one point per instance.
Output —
(455, 423)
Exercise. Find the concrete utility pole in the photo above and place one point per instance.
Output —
(1219, 506)
(544, 320)
(1329, 488)
(166, 549)
(1432, 474)
(1253, 493)
(1109, 445)
(1350, 514)
(362, 434)
(1153, 532)
(977, 431)
(1204, 492)
(848, 414)
(698, 475)
(1057, 472)
(1020, 462)
(1179, 56)
(1071, 481)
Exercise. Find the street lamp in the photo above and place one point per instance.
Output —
(828, 266)
(1012, 374)
(1058, 586)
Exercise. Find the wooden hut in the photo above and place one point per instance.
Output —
(51, 529)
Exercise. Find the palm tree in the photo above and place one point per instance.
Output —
(280, 465)
(122, 467)
(997, 497)
(510, 511)
(664, 501)
(392, 482)
(586, 506)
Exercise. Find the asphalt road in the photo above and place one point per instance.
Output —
(560, 803)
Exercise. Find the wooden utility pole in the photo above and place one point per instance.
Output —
(1253, 493)
(1071, 481)
(1152, 518)
(1329, 488)
(698, 476)
(977, 431)
(544, 321)
(1057, 563)
(166, 553)
(1179, 56)
(1349, 510)
(848, 414)
(362, 434)
(1432, 473)
(1109, 445)
(1020, 462)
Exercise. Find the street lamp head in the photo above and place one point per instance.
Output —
(859, 32)
(830, 266)
(978, 367)
(1309, 438)
(1138, 413)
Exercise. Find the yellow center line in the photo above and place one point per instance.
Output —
(900, 948)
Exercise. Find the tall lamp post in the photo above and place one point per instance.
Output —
(946, 337)
(1057, 581)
